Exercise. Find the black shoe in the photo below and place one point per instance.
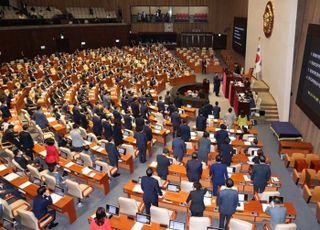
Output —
(53, 225)
(116, 175)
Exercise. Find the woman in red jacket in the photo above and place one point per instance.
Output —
(52, 157)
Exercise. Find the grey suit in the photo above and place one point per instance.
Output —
(204, 145)
(278, 215)
(261, 173)
(40, 119)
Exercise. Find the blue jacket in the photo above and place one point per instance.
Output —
(135, 109)
(227, 200)
(113, 154)
(204, 145)
(40, 205)
(97, 126)
(150, 188)
(163, 165)
(216, 111)
(127, 122)
(185, 132)
(160, 105)
(278, 215)
(220, 136)
(148, 131)
(227, 152)
(201, 123)
(194, 170)
(175, 119)
(218, 173)
(107, 127)
(141, 140)
(40, 119)
(261, 174)
(178, 147)
(144, 111)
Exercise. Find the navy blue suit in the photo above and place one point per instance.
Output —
(227, 201)
(201, 123)
(197, 205)
(141, 142)
(178, 101)
(5, 111)
(227, 152)
(148, 131)
(40, 206)
(124, 104)
(219, 174)
(26, 143)
(107, 127)
(260, 176)
(139, 122)
(162, 167)
(175, 120)
(216, 111)
(160, 105)
(127, 122)
(151, 190)
(40, 119)
(220, 136)
(116, 115)
(97, 126)
(135, 109)
(113, 154)
(185, 132)
(144, 111)
(117, 134)
(194, 170)
(178, 148)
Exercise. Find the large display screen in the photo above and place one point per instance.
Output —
(239, 37)
(308, 97)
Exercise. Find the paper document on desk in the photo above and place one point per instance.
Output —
(43, 153)
(3, 167)
(55, 198)
(96, 147)
(25, 184)
(87, 142)
(274, 179)
(246, 178)
(247, 143)
(137, 226)
(137, 188)
(11, 176)
(240, 206)
(265, 206)
(51, 119)
(100, 149)
(69, 164)
(86, 171)
(154, 164)
(207, 201)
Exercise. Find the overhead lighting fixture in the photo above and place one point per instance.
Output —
(42, 47)
(83, 43)
(117, 40)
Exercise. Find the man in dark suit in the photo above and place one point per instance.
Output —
(216, 110)
(76, 115)
(10, 135)
(178, 147)
(113, 155)
(144, 111)
(20, 159)
(41, 203)
(26, 141)
(116, 114)
(151, 190)
(219, 174)
(5, 112)
(40, 118)
(185, 131)
(127, 120)
(216, 85)
(160, 104)
(221, 135)
(135, 108)
(227, 201)
(107, 129)
(260, 175)
(163, 164)
(196, 197)
(175, 121)
(227, 152)
(97, 125)
(178, 101)
(141, 142)
(201, 122)
(139, 122)
(148, 131)
(194, 168)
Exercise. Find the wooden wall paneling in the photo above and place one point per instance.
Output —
(308, 13)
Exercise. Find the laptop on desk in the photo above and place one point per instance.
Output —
(98, 167)
(175, 225)
(112, 210)
(143, 218)
(173, 188)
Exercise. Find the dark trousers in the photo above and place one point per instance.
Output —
(215, 187)
(147, 205)
(175, 131)
(200, 214)
(142, 155)
(259, 188)
(224, 221)
(29, 152)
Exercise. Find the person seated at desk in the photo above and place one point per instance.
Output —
(221, 135)
(41, 203)
(229, 118)
(196, 197)
(260, 175)
(216, 110)
(227, 152)
(219, 174)
(185, 131)
(100, 222)
(256, 159)
(163, 164)
(10, 136)
(242, 119)
(277, 212)
(20, 158)
(178, 147)
(151, 190)
(53, 171)
(194, 168)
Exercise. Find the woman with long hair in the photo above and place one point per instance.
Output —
(100, 222)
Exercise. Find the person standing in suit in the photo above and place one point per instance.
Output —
(144, 111)
(167, 98)
(127, 120)
(175, 121)
(40, 118)
(260, 175)
(135, 108)
(178, 101)
(41, 203)
(196, 197)
(76, 115)
(26, 141)
(227, 152)
(216, 110)
(141, 142)
(184, 129)
(204, 147)
(216, 85)
(151, 190)
(221, 135)
(227, 201)
(97, 125)
(117, 133)
(116, 114)
(201, 122)
(178, 147)
(139, 122)
(219, 175)
(194, 168)
(148, 131)
(163, 164)
(160, 104)
(277, 212)
(5, 112)
(107, 129)
(84, 123)
(113, 155)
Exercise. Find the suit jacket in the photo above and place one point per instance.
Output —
(113, 154)
(117, 134)
(163, 165)
(76, 115)
(97, 125)
(227, 201)
(144, 111)
(261, 173)
(83, 121)
(40, 119)
(124, 104)
(220, 136)
(5, 111)
(227, 152)
(178, 101)
(194, 170)
(135, 109)
(26, 140)
(21, 161)
(218, 173)
(107, 127)
(185, 132)
(141, 141)
(178, 147)
(127, 122)
(196, 198)
(278, 215)
(117, 115)
(204, 146)
(216, 111)
(40, 205)
(139, 122)
(160, 105)
(148, 131)
(150, 188)
(201, 123)
(175, 119)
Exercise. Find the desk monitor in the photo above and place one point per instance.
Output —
(98, 168)
(231, 169)
(214, 228)
(271, 198)
(63, 155)
(122, 150)
(173, 188)
(139, 180)
(143, 218)
(79, 161)
(208, 194)
(111, 209)
(158, 127)
(242, 197)
(175, 225)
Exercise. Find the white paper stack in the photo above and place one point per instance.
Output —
(86, 171)
(69, 164)
(3, 167)
(25, 184)
(137, 226)
(55, 198)
(137, 188)
(11, 176)
(154, 164)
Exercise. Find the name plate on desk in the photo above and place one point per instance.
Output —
(55, 198)
(11, 176)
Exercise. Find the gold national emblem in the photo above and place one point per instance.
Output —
(268, 19)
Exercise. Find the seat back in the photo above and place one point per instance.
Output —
(129, 149)
(236, 224)
(105, 167)
(7, 210)
(17, 166)
(74, 189)
(86, 159)
(9, 154)
(310, 157)
(266, 194)
(186, 186)
(128, 206)
(66, 152)
(28, 219)
(199, 223)
(50, 181)
(291, 226)
(160, 215)
(92, 138)
(34, 172)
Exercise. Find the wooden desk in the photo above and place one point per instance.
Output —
(65, 205)
(191, 112)
(161, 135)
(283, 145)
(132, 141)
(53, 123)
(182, 80)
